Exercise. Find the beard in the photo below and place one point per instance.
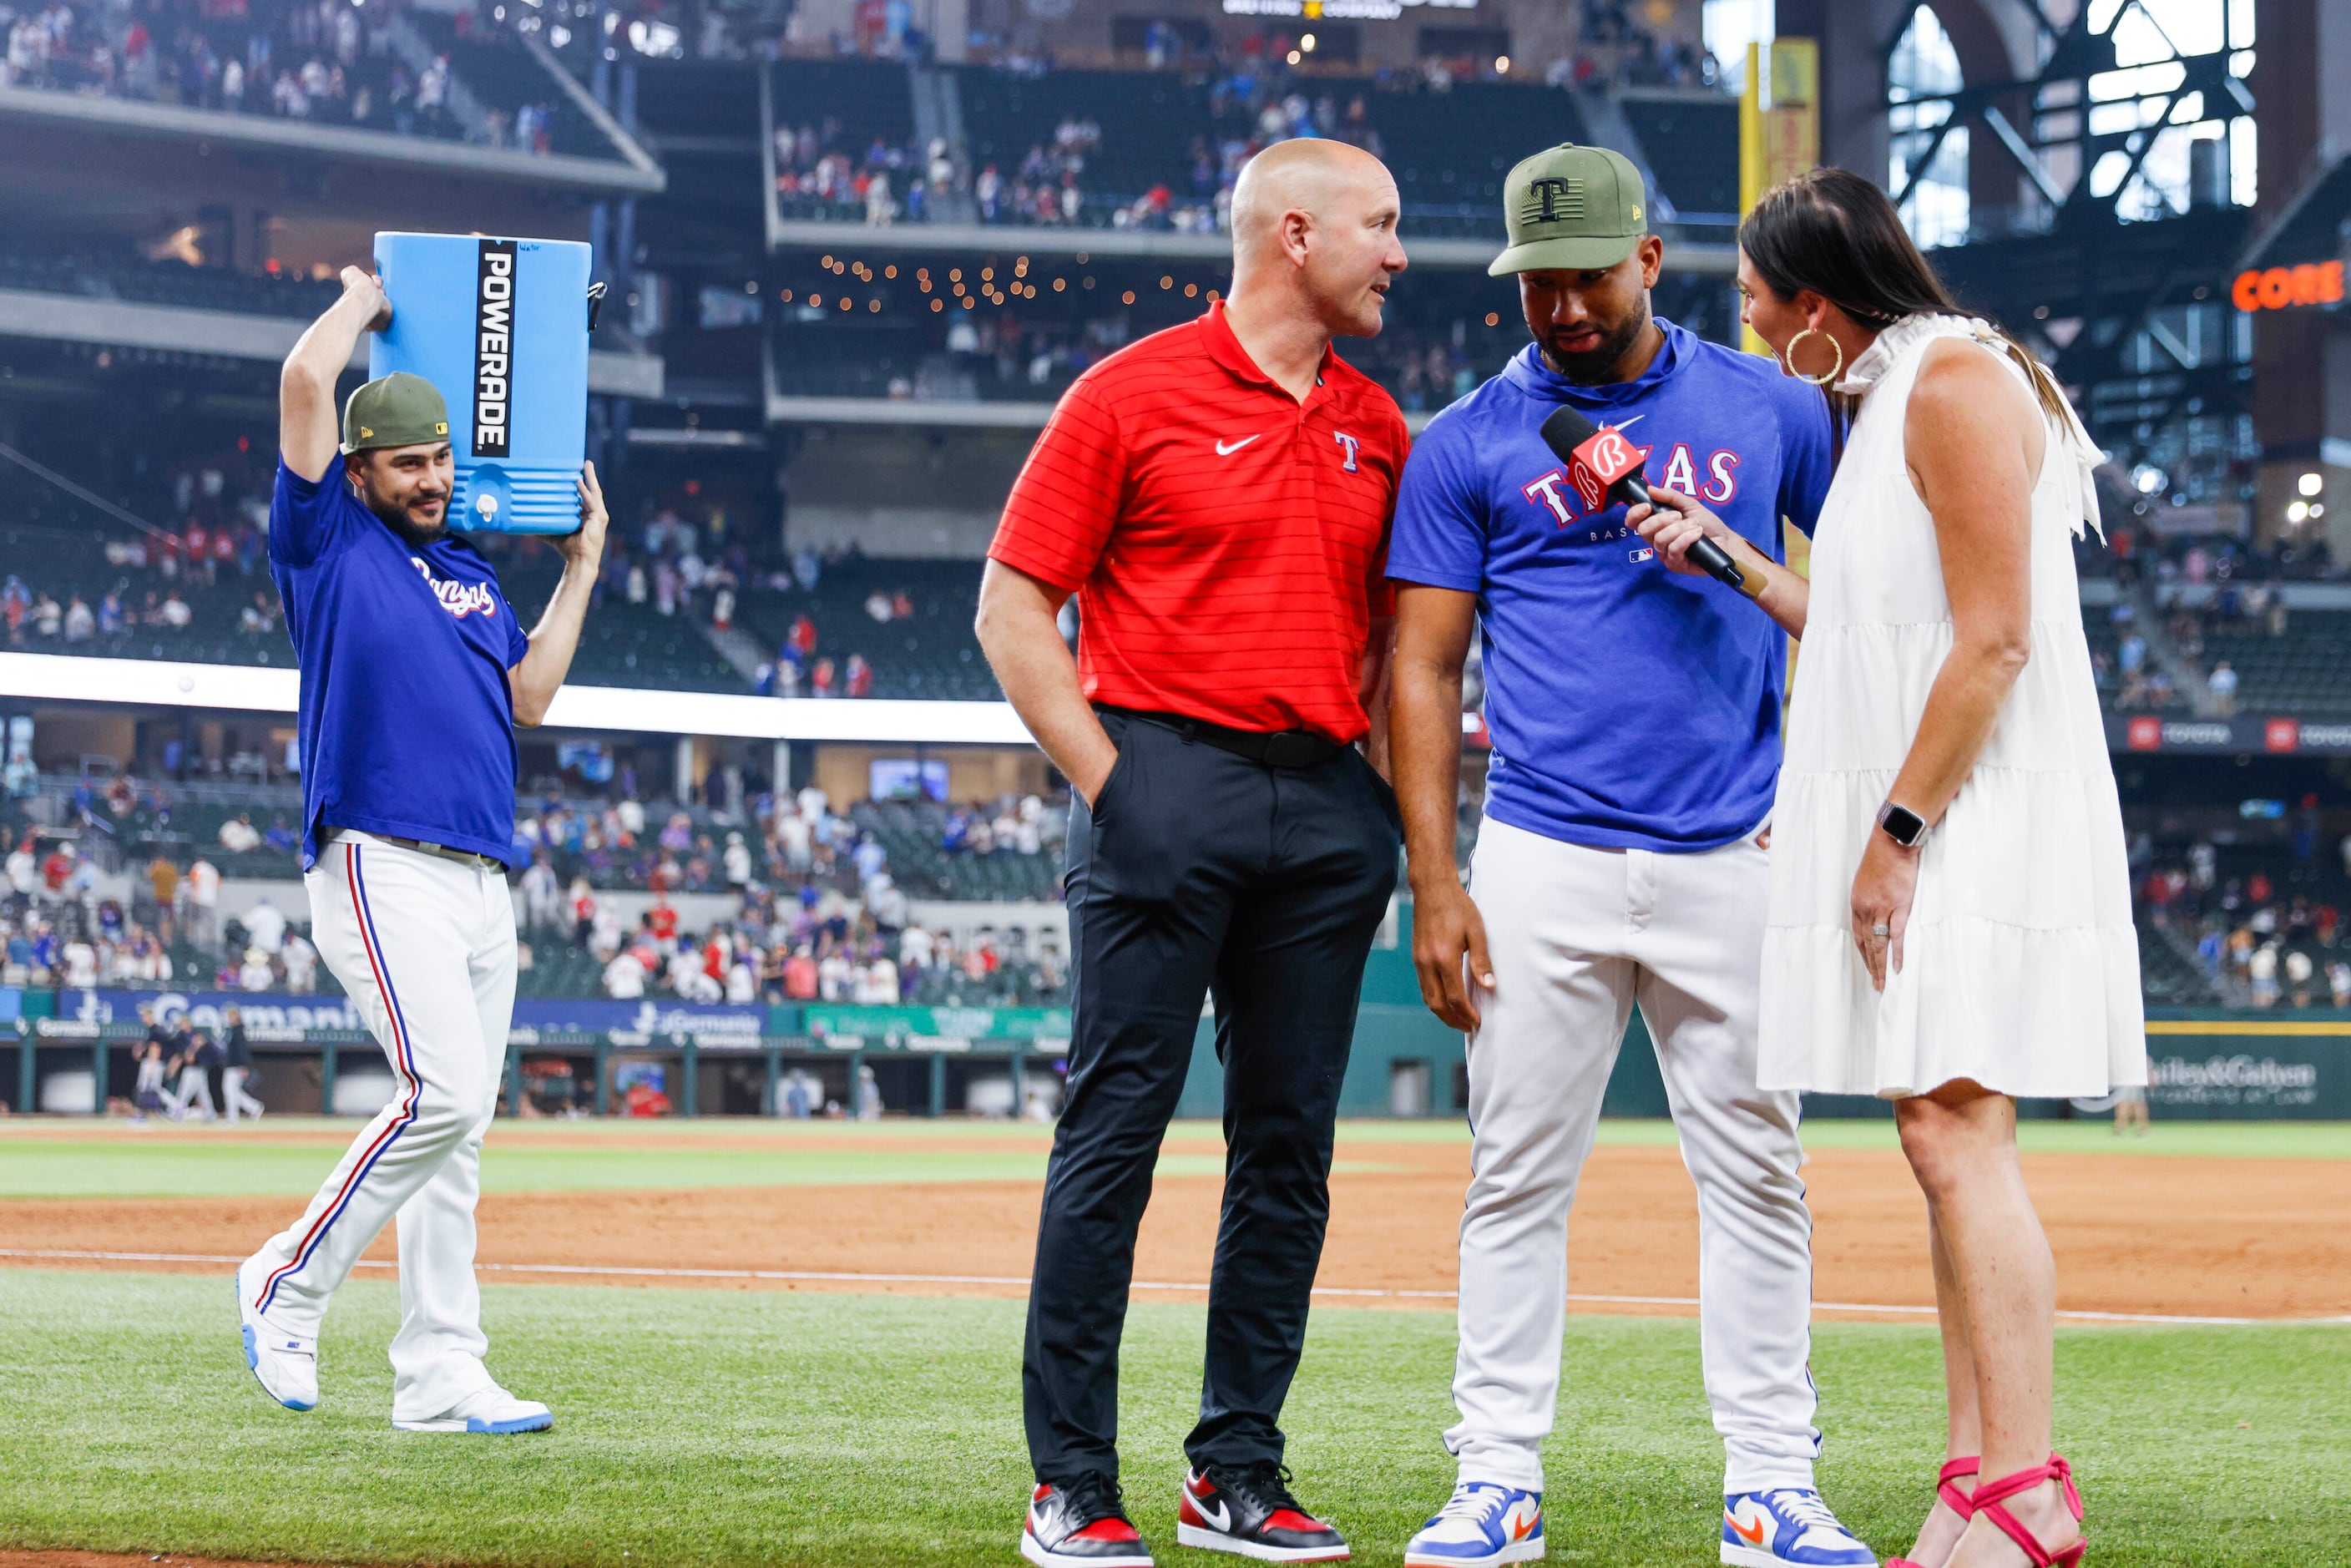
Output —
(1591, 367)
(396, 519)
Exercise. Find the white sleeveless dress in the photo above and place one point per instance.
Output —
(2021, 962)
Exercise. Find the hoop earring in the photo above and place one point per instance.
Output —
(1788, 358)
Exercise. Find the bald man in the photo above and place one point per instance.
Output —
(1217, 496)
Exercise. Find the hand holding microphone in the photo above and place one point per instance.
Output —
(1603, 465)
(1675, 525)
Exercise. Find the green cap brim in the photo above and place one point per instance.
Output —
(1579, 254)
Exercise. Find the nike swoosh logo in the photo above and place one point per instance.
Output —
(1222, 1517)
(1225, 451)
(1752, 1537)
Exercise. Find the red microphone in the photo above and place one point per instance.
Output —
(1602, 466)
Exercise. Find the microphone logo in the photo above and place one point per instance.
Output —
(1598, 462)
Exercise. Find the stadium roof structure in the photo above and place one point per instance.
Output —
(1681, 256)
(633, 173)
(237, 335)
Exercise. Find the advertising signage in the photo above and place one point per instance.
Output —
(2237, 736)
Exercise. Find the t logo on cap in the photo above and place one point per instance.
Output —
(1550, 191)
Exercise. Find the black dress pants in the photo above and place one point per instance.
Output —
(1198, 872)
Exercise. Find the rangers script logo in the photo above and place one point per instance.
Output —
(459, 599)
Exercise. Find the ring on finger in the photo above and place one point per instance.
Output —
(1881, 931)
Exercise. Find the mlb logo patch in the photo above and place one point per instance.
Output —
(1642, 555)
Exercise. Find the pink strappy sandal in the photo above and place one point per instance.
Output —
(1991, 1494)
(1947, 1487)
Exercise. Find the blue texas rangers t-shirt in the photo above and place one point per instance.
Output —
(1630, 707)
(407, 723)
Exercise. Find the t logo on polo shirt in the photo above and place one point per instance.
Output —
(1353, 446)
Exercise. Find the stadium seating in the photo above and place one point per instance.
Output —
(1691, 141)
(2306, 672)
(506, 79)
(1149, 122)
(320, 67)
(933, 654)
(2169, 978)
(868, 100)
(1449, 150)
(911, 831)
(123, 275)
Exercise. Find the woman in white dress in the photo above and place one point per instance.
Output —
(1950, 922)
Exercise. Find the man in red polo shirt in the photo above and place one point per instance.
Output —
(1217, 496)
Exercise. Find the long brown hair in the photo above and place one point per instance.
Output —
(1835, 232)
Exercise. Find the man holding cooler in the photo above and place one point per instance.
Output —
(1636, 721)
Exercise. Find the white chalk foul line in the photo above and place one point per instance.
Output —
(834, 1276)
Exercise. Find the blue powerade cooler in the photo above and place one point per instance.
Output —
(500, 325)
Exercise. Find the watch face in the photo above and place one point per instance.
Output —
(1902, 825)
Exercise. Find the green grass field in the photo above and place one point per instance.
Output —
(201, 1160)
(773, 1427)
(723, 1428)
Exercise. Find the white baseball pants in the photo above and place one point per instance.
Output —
(239, 1100)
(1576, 937)
(195, 1087)
(425, 948)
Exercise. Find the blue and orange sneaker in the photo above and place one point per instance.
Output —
(1787, 1527)
(1484, 1523)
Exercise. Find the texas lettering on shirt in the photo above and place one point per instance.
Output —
(1571, 497)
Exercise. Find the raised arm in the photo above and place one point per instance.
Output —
(1974, 440)
(1432, 640)
(538, 675)
(309, 431)
(1018, 632)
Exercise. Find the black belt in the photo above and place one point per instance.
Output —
(443, 851)
(1273, 748)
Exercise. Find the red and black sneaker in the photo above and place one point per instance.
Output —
(1082, 1524)
(1248, 1510)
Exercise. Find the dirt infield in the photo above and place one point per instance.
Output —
(116, 1560)
(2186, 1236)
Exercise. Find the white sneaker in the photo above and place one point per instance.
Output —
(492, 1410)
(1484, 1524)
(285, 1364)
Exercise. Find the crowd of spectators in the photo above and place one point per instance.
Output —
(331, 62)
(822, 946)
(2132, 553)
(212, 559)
(822, 917)
(1255, 97)
(2269, 933)
(798, 841)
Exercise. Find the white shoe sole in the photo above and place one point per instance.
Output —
(1756, 1557)
(249, 1330)
(538, 1423)
(1034, 1550)
(1205, 1540)
(1516, 1552)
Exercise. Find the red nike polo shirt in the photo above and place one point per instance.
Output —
(1226, 543)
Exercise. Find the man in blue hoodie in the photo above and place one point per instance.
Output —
(1635, 723)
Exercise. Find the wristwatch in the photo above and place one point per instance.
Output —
(1903, 825)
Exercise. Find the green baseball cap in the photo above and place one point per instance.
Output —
(1571, 207)
(397, 409)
